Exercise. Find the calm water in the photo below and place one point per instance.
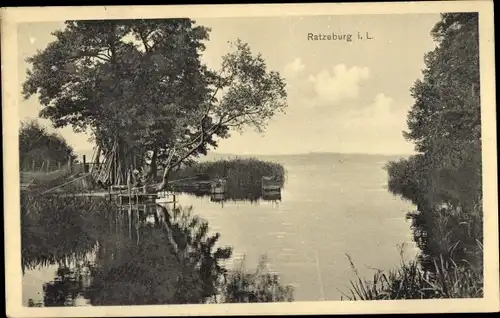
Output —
(331, 205)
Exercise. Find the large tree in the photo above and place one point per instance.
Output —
(141, 84)
(444, 179)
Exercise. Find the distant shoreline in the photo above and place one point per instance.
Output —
(226, 155)
(220, 155)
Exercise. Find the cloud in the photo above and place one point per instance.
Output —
(381, 106)
(381, 112)
(292, 69)
(344, 83)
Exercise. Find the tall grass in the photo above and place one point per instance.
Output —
(447, 279)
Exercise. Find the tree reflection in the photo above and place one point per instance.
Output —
(170, 261)
(141, 255)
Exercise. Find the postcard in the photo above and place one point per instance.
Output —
(250, 159)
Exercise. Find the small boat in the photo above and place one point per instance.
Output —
(218, 186)
(271, 195)
(270, 184)
(217, 197)
(165, 197)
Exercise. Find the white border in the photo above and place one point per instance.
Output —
(11, 16)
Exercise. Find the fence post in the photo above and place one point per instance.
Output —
(33, 165)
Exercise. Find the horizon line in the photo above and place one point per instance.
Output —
(315, 152)
(294, 153)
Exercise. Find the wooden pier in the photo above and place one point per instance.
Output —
(120, 197)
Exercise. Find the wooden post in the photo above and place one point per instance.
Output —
(58, 165)
(130, 222)
(70, 166)
(129, 185)
(33, 165)
(137, 202)
(48, 165)
(43, 164)
(84, 164)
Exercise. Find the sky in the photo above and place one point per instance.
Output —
(343, 96)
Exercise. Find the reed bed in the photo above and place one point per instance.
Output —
(238, 172)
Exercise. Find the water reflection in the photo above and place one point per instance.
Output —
(143, 254)
(248, 193)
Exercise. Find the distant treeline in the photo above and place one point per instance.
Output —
(40, 149)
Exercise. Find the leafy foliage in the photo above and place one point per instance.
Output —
(141, 83)
(444, 180)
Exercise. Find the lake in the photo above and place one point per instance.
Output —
(331, 205)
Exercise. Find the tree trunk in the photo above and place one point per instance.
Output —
(98, 155)
(164, 182)
(153, 167)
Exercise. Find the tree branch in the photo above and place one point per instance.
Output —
(144, 39)
(98, 55)
(202, 138)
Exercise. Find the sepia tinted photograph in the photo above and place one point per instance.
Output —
(254, 159)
